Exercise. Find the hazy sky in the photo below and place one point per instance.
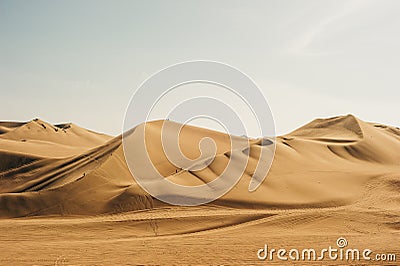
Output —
(81, 61)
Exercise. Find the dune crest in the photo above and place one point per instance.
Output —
(336, 128)
(38, 130)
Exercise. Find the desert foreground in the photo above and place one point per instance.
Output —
(67, 197)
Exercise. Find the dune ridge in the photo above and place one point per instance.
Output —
(326, 163)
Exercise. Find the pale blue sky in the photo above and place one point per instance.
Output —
(80, 61)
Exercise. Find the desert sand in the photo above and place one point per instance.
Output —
(67, 197)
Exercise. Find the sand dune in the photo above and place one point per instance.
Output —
(326, 163)
(331, 176)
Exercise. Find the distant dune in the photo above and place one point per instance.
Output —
(329, 175)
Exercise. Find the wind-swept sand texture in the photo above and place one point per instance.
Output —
(67, 196)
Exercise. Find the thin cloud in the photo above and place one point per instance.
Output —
(302, 45)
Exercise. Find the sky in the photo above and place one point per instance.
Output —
(81, 61)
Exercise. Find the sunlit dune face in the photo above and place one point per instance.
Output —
(167, 142)
(181, 141)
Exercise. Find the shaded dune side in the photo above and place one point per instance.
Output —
(9, 126)
(46, 176)
(12, 160)
(92, 183)
(326, 163)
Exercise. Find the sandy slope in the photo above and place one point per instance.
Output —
(328, 162)
(330, 177)
(22, 143)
